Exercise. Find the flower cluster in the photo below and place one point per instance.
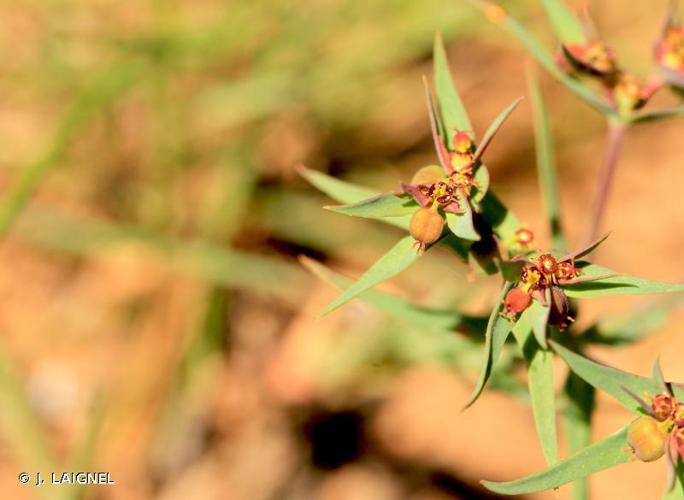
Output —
(670, 50)
(596, 59)
(661, 431)
(542, 277)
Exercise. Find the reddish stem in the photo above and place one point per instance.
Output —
(616, 134)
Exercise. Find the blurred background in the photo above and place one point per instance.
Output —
(155, 322)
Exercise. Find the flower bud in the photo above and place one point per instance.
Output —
(647, 437)
(426, 227)
(462, 142)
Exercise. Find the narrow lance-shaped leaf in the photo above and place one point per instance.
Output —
(498, 15)
(424, 318)
(540, 383)
(399, 257)
(382, 205)
(493, 129)
(608, 379)
(436, 130)
(567, 26)
(497, 332)
(577, 413)
(615, 284)
(346, 192)
(608, 452)
(454, 115)
(546, 164)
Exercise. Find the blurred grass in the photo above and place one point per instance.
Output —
(171, 130)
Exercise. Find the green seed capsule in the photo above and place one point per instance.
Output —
(426, 227)
(647, 437)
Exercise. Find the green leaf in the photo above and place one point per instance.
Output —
(568, 28)
(608, 379)
(540, 319)
(601, 455)
(540, 383)
(453, 113)
(616, 285)
(677, 493)
(344, 192)
(399, 257)
(421, 317)
(546, 163)
(494, 128)
(379, 206)
(503, 222)
(546, 60)
(462, 224)
(498, 329)
(579, 407)
(661, 114)
(481, 178)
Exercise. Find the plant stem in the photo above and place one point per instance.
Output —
(616, 134)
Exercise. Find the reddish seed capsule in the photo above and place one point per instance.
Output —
(516, 301)
(647, 437)
(426, 227)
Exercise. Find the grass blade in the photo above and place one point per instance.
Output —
(101, 93)
(546, 164)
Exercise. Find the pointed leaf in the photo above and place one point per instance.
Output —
(540, 384)
(436, 130)
(540, 381)
(616, 285)
(658, 376)
(568, 28)
(454, 115)
(382, 205)
(497, 332)
(544, 58)
(462, 224)
(608, 379)
(546, 162)
(608, 452)
(660, 114)
(578, 254)
(344, 192)
(424, 318)
(493, 129)
(399, 257)
(577, 413)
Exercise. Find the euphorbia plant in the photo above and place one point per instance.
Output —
(451, 205)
